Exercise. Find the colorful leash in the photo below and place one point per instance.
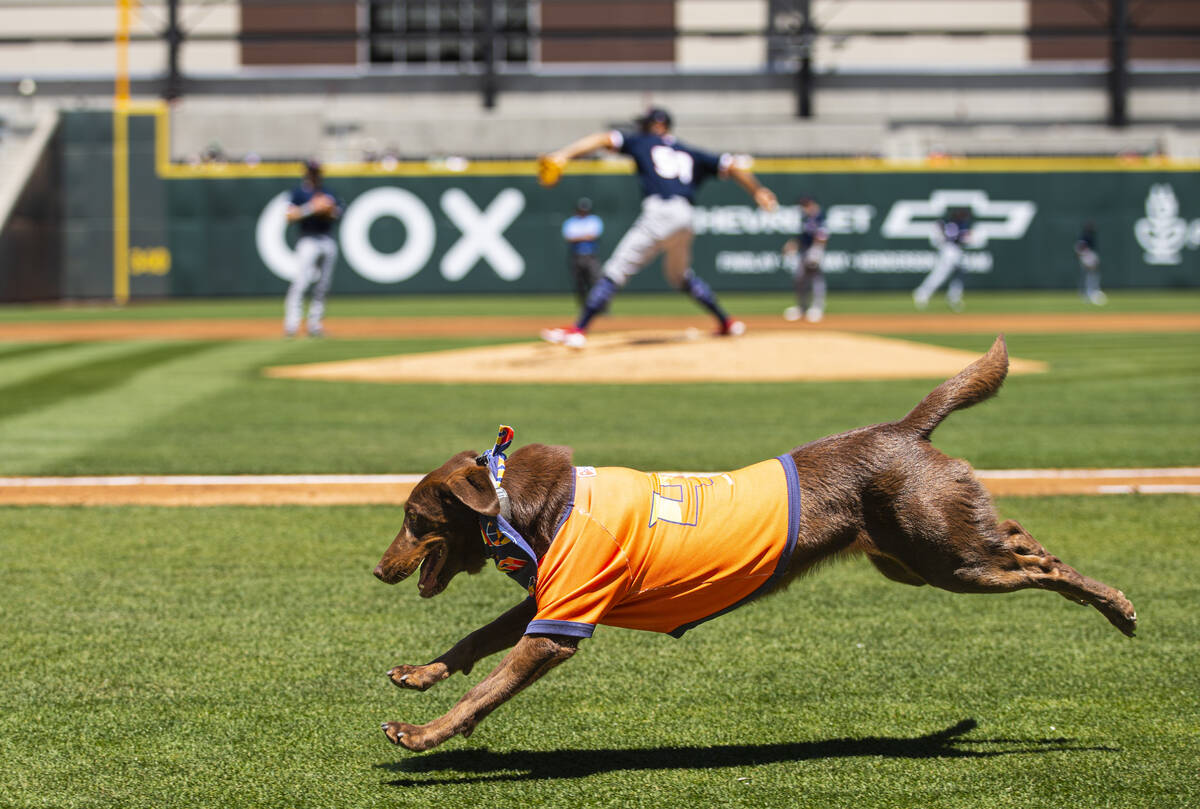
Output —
(506, 547)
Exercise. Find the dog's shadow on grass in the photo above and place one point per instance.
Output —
(482, 765)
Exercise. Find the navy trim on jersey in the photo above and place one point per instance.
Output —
(576, 629)
(793, 535)
(566, 512)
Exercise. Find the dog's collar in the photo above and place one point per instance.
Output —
(509, 550)
(503, 543)
(505, 503)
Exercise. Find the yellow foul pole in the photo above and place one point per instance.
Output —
(121, 155)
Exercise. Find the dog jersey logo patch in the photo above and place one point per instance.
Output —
(677, 499)
(585, 471)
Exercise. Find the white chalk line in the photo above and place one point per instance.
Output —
(1151, 488)
(405, 479)
(1086, 474)
(209, 480)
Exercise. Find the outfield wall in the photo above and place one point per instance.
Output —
(212, 230)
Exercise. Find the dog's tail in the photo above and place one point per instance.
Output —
(977, 382)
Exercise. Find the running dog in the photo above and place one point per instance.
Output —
(665, 552)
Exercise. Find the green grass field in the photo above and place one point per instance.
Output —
(157, 657)
(144, 407)
(235, 657)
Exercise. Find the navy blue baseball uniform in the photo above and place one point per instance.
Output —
(1089, 267)
(808, 250)
(667, 168)
(313, 224)
(812, 229)
(316, 252)
(952, 235)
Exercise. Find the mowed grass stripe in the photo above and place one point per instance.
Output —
(19, 366)
(89, 377)
(13, 351)
(116, 397)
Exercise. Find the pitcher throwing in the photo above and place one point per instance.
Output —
(669, 172)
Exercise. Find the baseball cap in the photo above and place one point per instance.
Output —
(655, 115)
(584, 204)
(312, 166)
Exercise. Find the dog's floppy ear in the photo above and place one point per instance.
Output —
(473, 486)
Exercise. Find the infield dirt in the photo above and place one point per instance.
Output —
(503, 326)
(662, 356)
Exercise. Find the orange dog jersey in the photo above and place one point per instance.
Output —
(665, 552)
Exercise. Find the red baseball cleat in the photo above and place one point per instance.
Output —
(568, 336)
(731, 327)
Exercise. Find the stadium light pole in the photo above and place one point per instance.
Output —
(804, 78)
(1118, 67)
(489, 54)
(120, 155)
(174, 37)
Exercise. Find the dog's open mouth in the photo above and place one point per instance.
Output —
(430, 584)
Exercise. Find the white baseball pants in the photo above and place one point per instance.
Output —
(315, 256)
(664, 226)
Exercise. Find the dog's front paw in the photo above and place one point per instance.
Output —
(1121, 614)
(418, 677)
(413, 737)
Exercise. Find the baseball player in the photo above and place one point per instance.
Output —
(581, 233)
(806, 252)
(951, 236)
(315, 211)
(1089, 266)
(669, 173)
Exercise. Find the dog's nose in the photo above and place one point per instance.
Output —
(379, 571)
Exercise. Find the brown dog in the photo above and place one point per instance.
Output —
(918, 515)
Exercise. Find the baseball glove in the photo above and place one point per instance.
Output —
(549, 170)
(322, 204)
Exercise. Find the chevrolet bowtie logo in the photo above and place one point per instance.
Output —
(993, 218)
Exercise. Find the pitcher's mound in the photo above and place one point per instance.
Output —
(648, 357)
